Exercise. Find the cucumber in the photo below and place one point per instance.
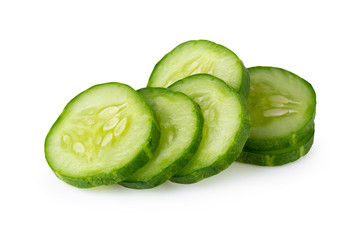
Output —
(102, 136)
(201, 56)
(181, 125)
(226, 126)
(282, 109)
(278, 157)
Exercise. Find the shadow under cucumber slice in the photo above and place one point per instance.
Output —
(181, 124)
(226, 126)
(201, 56)
(102, 136)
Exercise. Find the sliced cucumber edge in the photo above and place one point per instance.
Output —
(278, 157)
(233, 152)
(179, 163)
(279, 143)
(244, 87)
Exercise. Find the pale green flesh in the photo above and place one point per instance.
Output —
(279, 102)
(102, 129)
(178, 122)
(221, 110)
(199, 56)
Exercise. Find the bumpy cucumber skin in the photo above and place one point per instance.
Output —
(179, 163)
(116, 175)
(234, 150)
(285, 141)
(279, 157)
(244, 88)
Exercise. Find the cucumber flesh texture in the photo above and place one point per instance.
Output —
(102, 137)
(278, 157)
(181, 124)
(201, 56)
(226, 126)
(282, 108)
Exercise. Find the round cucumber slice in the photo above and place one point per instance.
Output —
(226, 126)
(102, 136)
(181, 125)
(201, 56)
(282, 109)
(278, 157)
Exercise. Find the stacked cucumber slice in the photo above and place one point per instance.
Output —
(191, 122)
(282, 110)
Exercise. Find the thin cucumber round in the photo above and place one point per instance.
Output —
(226, 126)
(278, 157)
(282, 109)
(181, 123)
(102, 136)
(201, 56)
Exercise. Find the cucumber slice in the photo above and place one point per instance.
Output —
(226, 126)
(201, 56)
(181, 124)
(282, 109)
(102, 137)
(278, 157)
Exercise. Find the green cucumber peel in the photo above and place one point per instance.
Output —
(282, 109)
(103, 136)
(201, 56)
(226, 126)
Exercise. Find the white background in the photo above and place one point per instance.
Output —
(52, 50)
